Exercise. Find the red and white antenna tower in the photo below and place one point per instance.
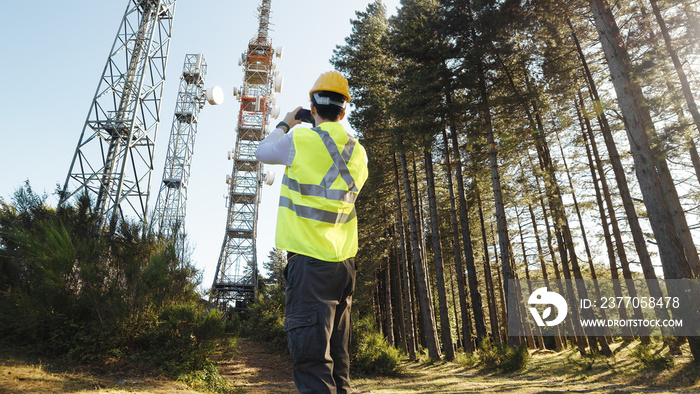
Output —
(236, 277)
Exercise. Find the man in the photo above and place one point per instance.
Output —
(316, 224)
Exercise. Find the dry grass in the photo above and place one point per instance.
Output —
(253, 370)
(546, 372)
(20, 376)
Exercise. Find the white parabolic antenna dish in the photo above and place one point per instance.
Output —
(215, 95)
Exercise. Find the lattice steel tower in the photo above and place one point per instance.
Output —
(171, 206)
(113, 161)
(236, 278)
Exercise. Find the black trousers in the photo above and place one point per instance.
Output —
(317, 322)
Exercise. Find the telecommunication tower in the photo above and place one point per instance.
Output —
(169, 214)
(236, 278)
(113, 161)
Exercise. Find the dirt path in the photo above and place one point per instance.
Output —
(256, 370)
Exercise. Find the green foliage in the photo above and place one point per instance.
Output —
(264, 323)
(369, 352)
(275, 266)
(466, 360)
(585, 362)
(69, 290)
(209, 379)
(180, 340)
(503, 357)
(651, 360)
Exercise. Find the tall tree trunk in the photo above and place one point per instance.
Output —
(377, 302)
(658, 191)
(574, 336)
(614, 275)
(639, 125)
(538, 330)
(417, 320)
(422, 247)
(445, 326)
(460, 344)
(469, 253)
(488, 276)
(475, 296)
(543, 267)
(501, 291)
(685, 86)
(563, 232)
(620, 246)
(389, 318)
(618, 170)
(410, 337)
(501, 220)
(426, 306)
(396, 276)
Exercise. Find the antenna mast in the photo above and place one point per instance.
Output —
(114, 157)
(236, 279)
(169, 214)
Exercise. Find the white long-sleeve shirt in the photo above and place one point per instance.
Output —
(276, 148)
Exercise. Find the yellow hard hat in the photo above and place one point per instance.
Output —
(332, 81)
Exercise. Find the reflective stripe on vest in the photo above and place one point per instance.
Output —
(306, 189)
(339, 169)
(339, 159)
(317, 214)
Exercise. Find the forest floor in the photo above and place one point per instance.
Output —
(252, 369)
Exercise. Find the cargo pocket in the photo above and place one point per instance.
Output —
(302, 335)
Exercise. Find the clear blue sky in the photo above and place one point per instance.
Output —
(53, 54)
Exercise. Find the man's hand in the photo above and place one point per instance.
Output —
(289, 118)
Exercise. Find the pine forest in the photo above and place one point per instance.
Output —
(519, 140)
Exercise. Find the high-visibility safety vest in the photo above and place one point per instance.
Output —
(316, 214)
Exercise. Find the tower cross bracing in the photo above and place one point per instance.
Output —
(113, 160)
(171, 206)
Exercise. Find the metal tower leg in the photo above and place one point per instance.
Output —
(114, 157)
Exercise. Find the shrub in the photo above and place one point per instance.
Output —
(370, 354)
(466, 360)
(209, 379)
(650, 360)
(503, 357)
(264, 323)
(180, 341)
(585, 362)
(68, 289)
